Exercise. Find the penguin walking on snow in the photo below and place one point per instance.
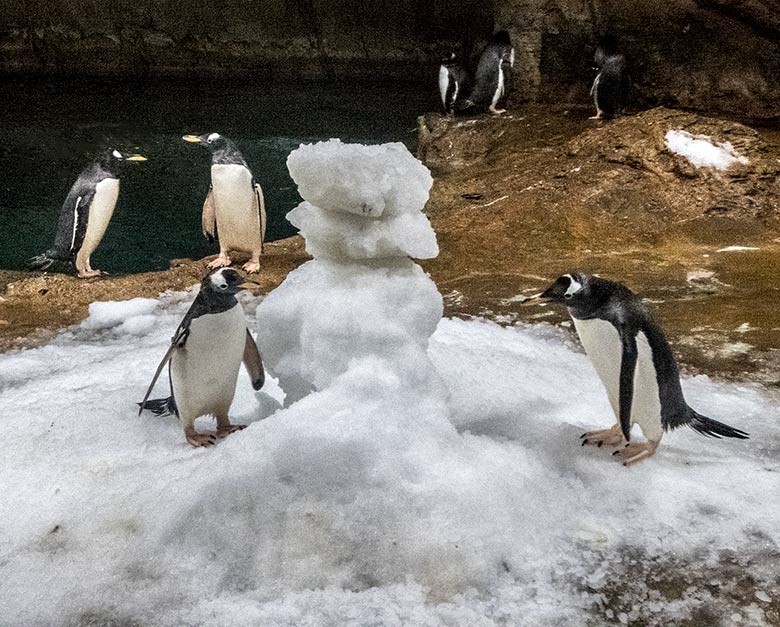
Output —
(204, 358)
(453, 83)
(85, 215)
(234, 205)
(493, 76)
(611, 85)
(634, 362)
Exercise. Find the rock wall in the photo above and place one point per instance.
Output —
(714, 55)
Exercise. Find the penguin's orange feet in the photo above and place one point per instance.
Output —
(89, 273)
(598, 116)
(226, 430)
(634, 452)
(201, 439)
(605, 437)
(495, 111)
(220, 262)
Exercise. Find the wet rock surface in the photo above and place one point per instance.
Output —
(519, 199)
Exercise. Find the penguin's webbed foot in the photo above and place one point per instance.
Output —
(201, 439)
(225, 430)
(604, 437)
(88, 274)
(495, 111)
(598, 116)
(220, 262)
(634, 452)
(252, 266)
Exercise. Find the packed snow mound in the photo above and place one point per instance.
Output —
(701, 152)
(362, 202)
(326, 314)
(111, 314)
(360, 179)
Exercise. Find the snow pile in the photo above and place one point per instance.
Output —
(701, 152)
(361, 202)
(424, 472)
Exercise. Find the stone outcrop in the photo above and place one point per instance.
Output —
(713, 55)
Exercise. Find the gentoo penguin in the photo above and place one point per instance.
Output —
(634, 362)
(494, 75)
(610, 87)
(453, 83)
(85, 214)
(234, 203)
(204, 358)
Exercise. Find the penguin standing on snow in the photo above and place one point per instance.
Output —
(234, 204)
(453, 83)
(85, 215)
(493, 76)
(610, 87)
(204, 358)
(634, 362)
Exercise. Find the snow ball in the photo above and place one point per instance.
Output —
(701, 152)
(110, 314)
(362, 180)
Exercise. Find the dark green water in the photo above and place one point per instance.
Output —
(51, 127)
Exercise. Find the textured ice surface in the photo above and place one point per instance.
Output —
(701, 152)
(361, 202)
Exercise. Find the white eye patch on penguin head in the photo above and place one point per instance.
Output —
(226, 281)
(116, 154)
(213, 137)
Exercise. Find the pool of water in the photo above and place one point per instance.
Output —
(51, 127)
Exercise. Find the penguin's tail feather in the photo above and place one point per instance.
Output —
(45, 261)
(160, 406)
(713, 428)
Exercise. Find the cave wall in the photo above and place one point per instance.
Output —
(719, 56)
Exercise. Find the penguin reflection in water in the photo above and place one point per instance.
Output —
(204, 358)
(85, 215)
(611, 85)
(234, 205)
(634, 362)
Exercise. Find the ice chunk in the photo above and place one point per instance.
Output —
(701, 152)
(110, 314)
(366, 181)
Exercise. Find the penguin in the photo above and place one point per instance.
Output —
(85, 215)
(610, 87)
(493, 76)
(453, 83)
(634, 362)
(234, 205)
(204, 357)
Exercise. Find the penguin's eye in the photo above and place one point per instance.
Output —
(568, 296)
(223, 286)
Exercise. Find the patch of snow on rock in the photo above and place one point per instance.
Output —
(701, 152)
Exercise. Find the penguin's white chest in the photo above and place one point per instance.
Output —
(499, 85)
(100, 212)
(602, 344)
(204, 372)
(236, 209)
(444, 83)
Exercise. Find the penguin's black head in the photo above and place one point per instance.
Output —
(113, 160)
(567, 289)
(213, 141)
(449, 59)
(502, 38)
(225, 281)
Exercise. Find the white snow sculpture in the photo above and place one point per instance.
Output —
(361, 296)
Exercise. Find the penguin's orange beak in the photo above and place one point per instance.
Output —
(249, 285)
(136, 158)
(193, 139)
(532, 299)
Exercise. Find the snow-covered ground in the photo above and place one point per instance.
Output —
(303, 519)
(398, 469)
(701, 152)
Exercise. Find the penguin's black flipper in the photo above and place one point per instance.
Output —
(159, 406)
(209, 218)
(713, 428)
(177, 341)
(627, 370)
(71, 228)
(253, 362)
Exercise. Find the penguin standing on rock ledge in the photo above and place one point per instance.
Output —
(611, 85)
(234, 206)
(204, 358)
(634, 362)
(493, 77)
(453, 83)
(85, 215)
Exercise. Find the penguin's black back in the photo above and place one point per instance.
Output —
(612, 87)
(494, 59)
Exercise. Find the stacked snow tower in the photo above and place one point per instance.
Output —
(362, 297)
